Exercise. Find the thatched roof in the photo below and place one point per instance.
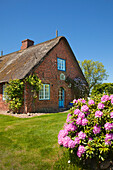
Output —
(18, 64)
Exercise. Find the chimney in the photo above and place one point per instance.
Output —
(1, 53)
(56, 33)
(26, 43)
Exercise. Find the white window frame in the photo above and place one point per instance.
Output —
(3, 94)
(43, 94)
(61, 64)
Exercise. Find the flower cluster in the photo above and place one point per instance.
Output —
(96, 129)
(98, 114)
(108, 138)
(91, 102)
(88, 127)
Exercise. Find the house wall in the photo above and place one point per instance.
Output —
(47, 71)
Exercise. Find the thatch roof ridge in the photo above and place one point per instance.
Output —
(32, 46)
(18, 64)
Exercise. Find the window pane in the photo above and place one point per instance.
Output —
(41, 94)
(61, 64)
(44, 93)
(4, 92)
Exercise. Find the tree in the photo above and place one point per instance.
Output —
(94, 72)
(102, 88)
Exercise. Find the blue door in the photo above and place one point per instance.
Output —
(61, 97)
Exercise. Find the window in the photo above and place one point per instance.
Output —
(44, 93)
(61, 64)
(3, 97)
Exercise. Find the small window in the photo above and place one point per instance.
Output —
(3, 96)
(61, 64)
(44, 93)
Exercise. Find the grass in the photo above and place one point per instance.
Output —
(31, 143)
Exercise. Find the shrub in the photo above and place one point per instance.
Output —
(88, 131)
(14, 94)
(14, 91)
(102, 88)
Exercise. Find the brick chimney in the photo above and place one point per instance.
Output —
(26, 43)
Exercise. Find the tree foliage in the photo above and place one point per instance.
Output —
(102, 88)
(94, 72)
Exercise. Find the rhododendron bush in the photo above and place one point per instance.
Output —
(88, 131)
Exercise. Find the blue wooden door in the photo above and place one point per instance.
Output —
(61, 97)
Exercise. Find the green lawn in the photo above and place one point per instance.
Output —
(31, 143)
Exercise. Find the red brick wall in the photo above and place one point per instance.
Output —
(48, 73)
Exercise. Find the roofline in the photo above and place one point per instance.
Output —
(31, 46)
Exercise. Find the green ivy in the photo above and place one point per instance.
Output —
(35, 82)
(14, 91)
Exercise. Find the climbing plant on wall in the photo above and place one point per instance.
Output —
(14, 91)
(79, 86)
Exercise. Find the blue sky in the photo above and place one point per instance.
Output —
(87, 25)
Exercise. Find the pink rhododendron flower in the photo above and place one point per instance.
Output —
(111, 136)
(105, 98)
(111, 114)
(96, 129)
(60, 141)
(71, 144)
(79, 100)
(81, 115)
(101, 106)
(84, 122)
(83, 101)
(77, 111)
(63, 133)
(79, 121)
(107, 142)
(84, 108)
(90, 102)
(90, 138)
(81, 135)
(111, 96)
(75, 101)
(66, 141)
(70, 127)
(68, 118)
(98, 114)
(108, 126)
(108, 136)
(77, 140)
(81, 150)
(108, 139)
(112, 101)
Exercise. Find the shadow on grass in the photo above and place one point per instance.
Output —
(66, 163)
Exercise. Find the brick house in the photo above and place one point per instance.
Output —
(52, 61)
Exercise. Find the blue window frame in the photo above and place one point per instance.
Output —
(61, 64)
(44, 92)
